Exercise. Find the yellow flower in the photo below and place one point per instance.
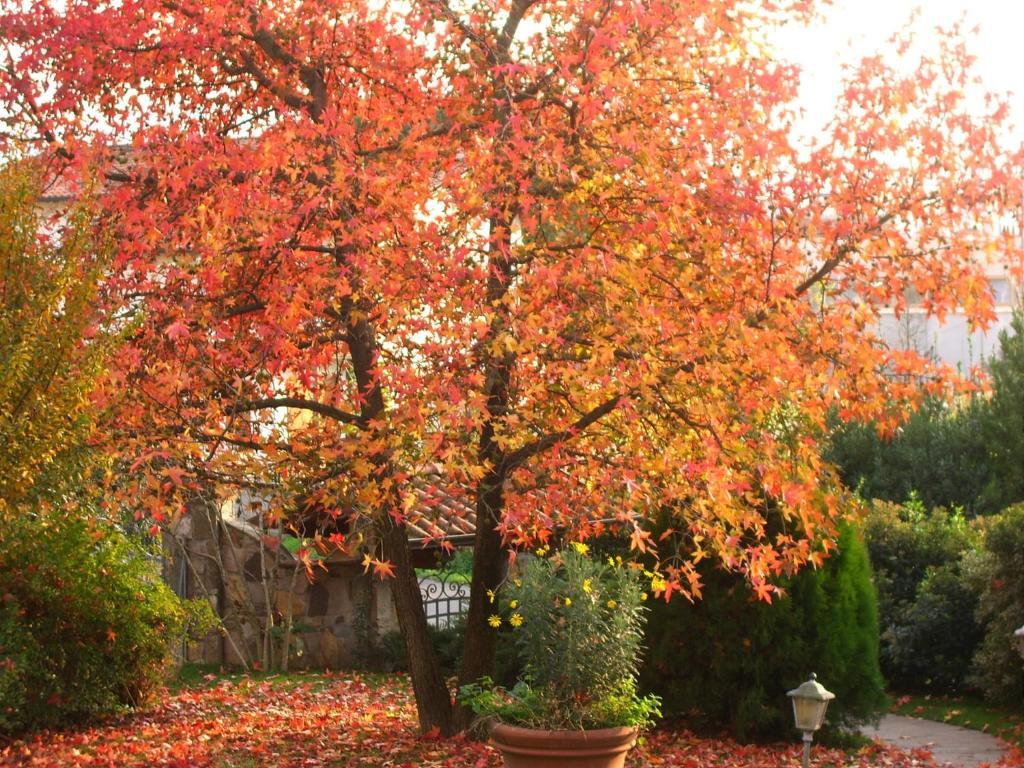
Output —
(586, 586)
(643, 596)
(580, 547)
(513, 604)
(658, 583)
(490, 595)
(568, 601)
(515, 620)
(494, 621)
(612, 604)
(517, 582)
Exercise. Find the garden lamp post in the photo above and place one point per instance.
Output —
(810, 701)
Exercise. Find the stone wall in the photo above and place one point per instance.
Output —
(338, 617)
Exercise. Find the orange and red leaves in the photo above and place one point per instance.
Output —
(612, 207)
(345, 719)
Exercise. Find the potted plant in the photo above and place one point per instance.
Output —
(578, 625)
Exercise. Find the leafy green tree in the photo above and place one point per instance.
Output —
(941, 453)
(85, 622)
(1004, 427)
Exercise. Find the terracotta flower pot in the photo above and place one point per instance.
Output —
(531, 748)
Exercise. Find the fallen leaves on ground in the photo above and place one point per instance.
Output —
(681, 749)
(350, 720)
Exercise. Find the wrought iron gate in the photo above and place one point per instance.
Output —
(445, 597)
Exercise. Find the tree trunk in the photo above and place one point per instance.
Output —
(479, 646)
(478, 651)
(433, 699)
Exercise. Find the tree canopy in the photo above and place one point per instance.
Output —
(565, 251)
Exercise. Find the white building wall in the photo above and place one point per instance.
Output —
(950, 342)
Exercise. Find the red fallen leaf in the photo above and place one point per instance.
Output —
(432, 735)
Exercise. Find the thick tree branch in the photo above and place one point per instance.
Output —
(465, 29)
(244, 309)
(508, 31)
(299, 403)
(528, 451)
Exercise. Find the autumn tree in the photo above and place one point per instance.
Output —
(565, 251)
(51, 355)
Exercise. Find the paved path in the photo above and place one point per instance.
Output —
(951, 745)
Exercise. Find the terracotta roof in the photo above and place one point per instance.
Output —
(442, 511)
(67, 185)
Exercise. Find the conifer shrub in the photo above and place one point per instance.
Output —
(1003, 427)
(728, 659)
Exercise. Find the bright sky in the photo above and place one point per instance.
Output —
(856, 28)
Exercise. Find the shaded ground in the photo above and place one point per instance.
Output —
(348, 720)
(968, 711)
(950, 745)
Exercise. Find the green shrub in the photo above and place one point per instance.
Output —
(926, 609)
(728, 659)
(998, 574)
(85, 622)
(447, 641)
(929, 644)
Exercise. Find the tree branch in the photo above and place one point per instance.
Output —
(300, 403)
(508, 32)
(528, 451)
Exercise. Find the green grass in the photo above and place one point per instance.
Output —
(966, 711)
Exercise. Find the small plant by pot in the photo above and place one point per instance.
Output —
(578, 626)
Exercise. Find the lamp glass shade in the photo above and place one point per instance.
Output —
(809, 713)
